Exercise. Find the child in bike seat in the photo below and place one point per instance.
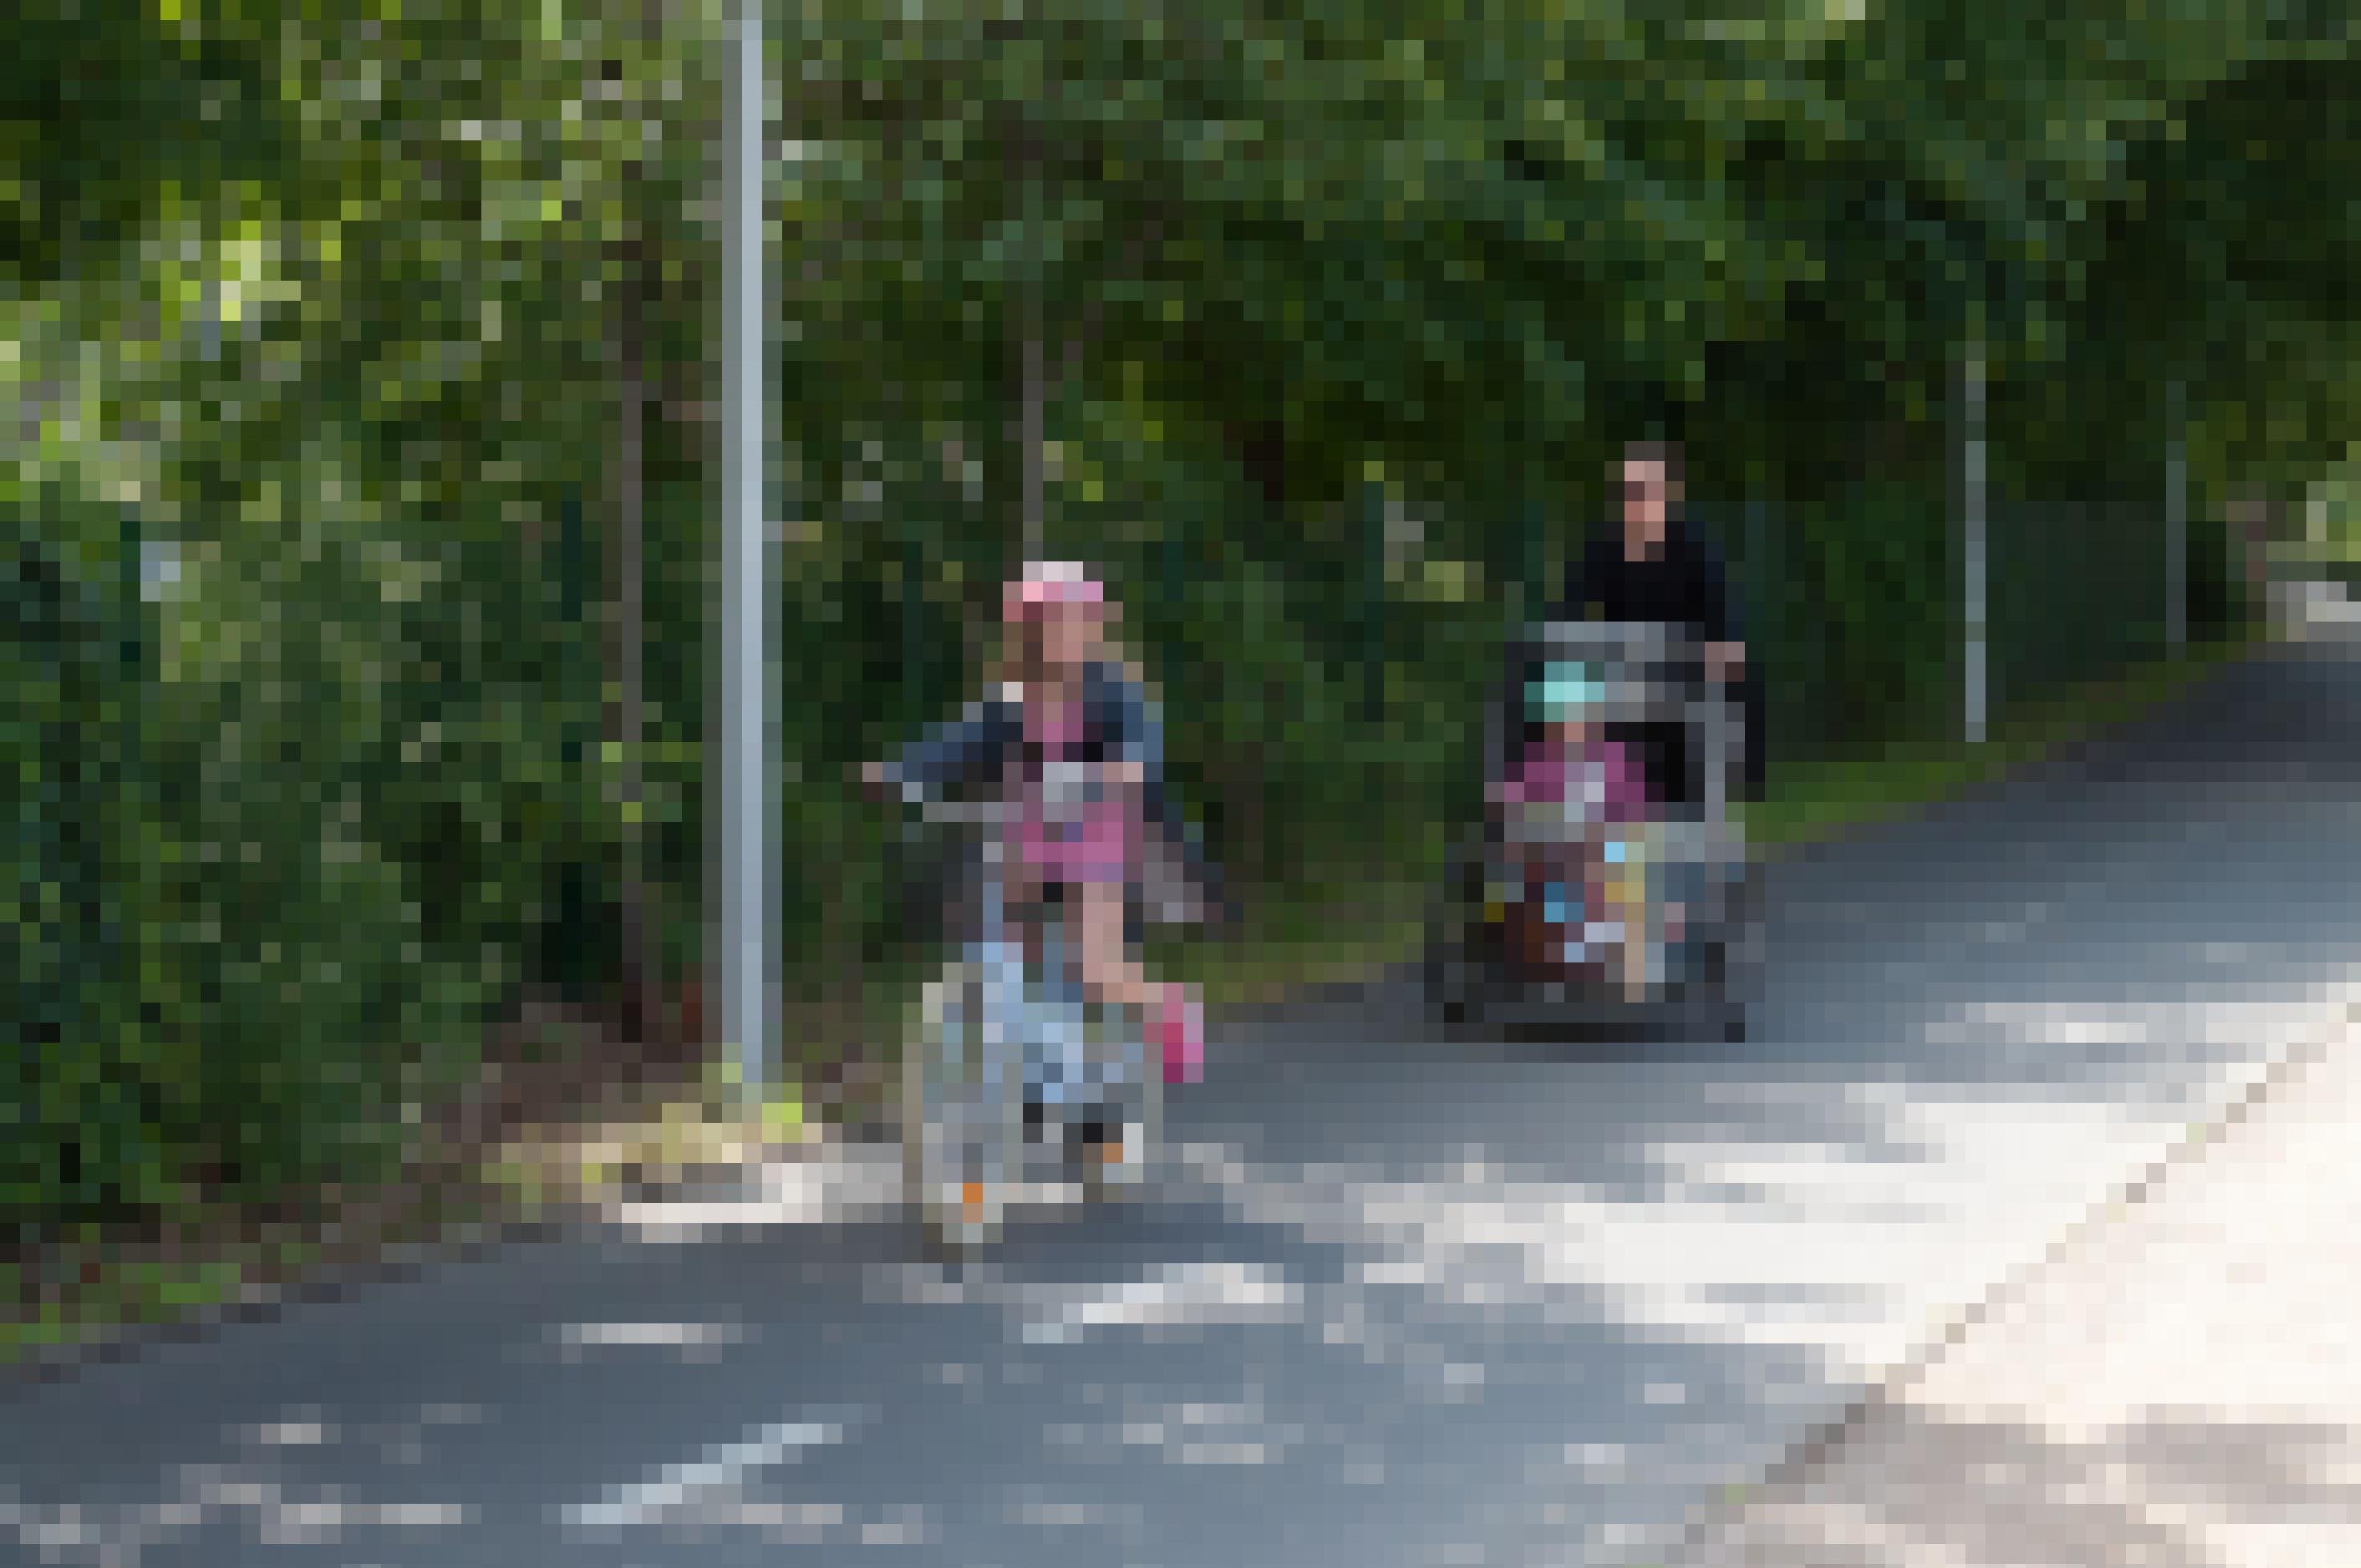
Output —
(1572, 761)
(1573, 765)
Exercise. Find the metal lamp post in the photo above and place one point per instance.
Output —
(745, 851)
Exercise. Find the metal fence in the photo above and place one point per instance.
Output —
(1855, 611)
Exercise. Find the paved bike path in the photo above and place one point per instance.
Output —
(1400, 1302)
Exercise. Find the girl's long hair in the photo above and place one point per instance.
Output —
(1011, 663)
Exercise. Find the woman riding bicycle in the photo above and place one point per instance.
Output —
(1068, 732)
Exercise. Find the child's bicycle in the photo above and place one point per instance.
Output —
(1010, 1068)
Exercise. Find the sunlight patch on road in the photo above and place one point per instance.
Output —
(828, 1187)
(291, 1432)
(1195, 1432)
(194, 1495)
(2047, 1024)
(1197, 1294)
(1767, 1244)
(1238, 1432)
(121, 1537)
(1857, 1262)
(1200, 1294)
(1038, 1509)
(575, 1338)
(779, 1522)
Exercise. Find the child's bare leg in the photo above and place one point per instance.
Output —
(1110, 973)
(1174, 1018)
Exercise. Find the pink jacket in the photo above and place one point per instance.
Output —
(1602, 773)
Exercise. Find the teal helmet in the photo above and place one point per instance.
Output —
(1563, 690)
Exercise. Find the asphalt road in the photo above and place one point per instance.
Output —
(1399, 1302)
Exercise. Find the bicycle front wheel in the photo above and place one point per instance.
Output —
(961, 1106)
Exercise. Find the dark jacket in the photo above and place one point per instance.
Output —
(983, 749)
(1683, 584)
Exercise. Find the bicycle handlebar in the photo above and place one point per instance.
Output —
(963, 813)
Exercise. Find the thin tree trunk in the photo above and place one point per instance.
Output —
(628, 632)
(1031, 353)
(1033, 396)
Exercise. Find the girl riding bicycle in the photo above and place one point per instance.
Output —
(1068, 732)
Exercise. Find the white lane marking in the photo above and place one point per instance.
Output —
(717, 1469)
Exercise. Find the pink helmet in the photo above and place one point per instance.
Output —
(1047, 585)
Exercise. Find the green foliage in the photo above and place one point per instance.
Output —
(346, 356)
(83, 1107)
(1344, 310)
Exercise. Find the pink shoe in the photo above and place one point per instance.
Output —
(1180, 1030)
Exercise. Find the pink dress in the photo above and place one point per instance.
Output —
(1089, 842)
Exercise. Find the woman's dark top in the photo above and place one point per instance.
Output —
(1680, 584)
